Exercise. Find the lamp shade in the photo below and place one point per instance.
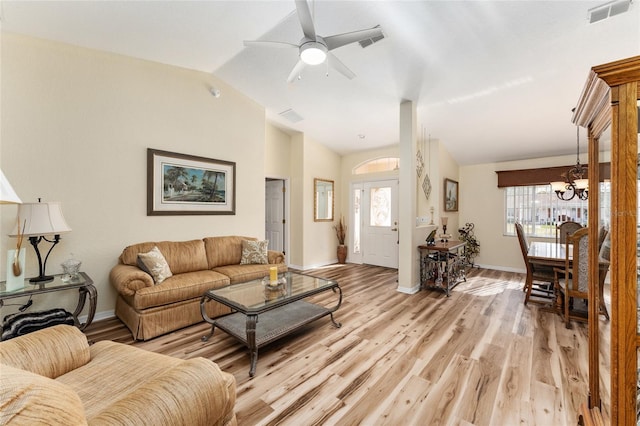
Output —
(41, 219)
(313, 53)
(582, 183)
(7, 194)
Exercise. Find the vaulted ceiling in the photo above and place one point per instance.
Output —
(492, 80)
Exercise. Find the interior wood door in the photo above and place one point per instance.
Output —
(380, 223)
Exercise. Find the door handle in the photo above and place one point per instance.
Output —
(394, 229)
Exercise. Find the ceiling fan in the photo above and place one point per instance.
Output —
(314, 49)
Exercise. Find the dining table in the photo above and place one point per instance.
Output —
(548, 254)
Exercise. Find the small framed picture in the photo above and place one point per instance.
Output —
(450, 195)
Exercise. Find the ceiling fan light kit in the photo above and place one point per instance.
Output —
(313, 53)
(314, 49)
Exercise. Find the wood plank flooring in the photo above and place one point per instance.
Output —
(479, 357)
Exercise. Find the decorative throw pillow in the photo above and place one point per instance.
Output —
(154, 264)
(254, 252)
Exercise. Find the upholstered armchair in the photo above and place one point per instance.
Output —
(54, 377)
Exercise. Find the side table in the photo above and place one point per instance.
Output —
(442, 265)
(83, 283)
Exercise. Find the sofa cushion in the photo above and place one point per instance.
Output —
(28, 398)
(254, 252)
(182, 256)
(154, 264)
(244, 273)
(177, 288)
(124, 368)
(222, 251)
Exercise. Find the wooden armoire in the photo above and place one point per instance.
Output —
(608, 106)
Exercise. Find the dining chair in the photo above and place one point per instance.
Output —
(572, 281)
(541, 276)
(564, 229)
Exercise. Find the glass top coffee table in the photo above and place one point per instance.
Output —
(281, 309)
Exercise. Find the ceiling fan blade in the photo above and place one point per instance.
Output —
(265, 43)
(306, 21)
(339, 66)
(295, 72)
(339, 40)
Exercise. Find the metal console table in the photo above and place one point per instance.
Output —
(442, 265)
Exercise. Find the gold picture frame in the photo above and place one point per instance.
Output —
(451, 195)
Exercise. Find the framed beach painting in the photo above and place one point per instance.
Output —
(450, 195)
(181, 184)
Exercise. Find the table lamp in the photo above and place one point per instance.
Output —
(444, 237)
(40, 220)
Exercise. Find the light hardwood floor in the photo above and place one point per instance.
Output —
(479, 357)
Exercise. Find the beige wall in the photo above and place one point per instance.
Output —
(75, 128)
(447, 169)
(277, 153)
(482, 203)
(319, 242)
(300, 159)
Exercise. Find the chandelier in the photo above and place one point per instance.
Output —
(575, 185)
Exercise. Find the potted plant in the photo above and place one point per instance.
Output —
(341, 233)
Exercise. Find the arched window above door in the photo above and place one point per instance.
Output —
(377, 165)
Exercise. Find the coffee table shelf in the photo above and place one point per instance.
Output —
(273, 324)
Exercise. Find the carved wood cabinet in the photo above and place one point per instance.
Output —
(609, 105)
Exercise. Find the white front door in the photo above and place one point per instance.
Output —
(274, 214)
(380, 223)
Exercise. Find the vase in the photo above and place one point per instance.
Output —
(15, 282)
(342, 253)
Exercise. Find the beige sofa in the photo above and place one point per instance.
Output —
(150, 309)
(53, 377)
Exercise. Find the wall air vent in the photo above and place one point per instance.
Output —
(608, 9)
(291, 115)
(369, 41)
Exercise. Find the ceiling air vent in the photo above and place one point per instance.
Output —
(608, 9)
(291, 115)
(369, 41)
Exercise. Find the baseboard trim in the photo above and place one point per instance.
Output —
(98, 316)
(502, 268)
(408, 290)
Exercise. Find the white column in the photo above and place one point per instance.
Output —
(408, 252)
